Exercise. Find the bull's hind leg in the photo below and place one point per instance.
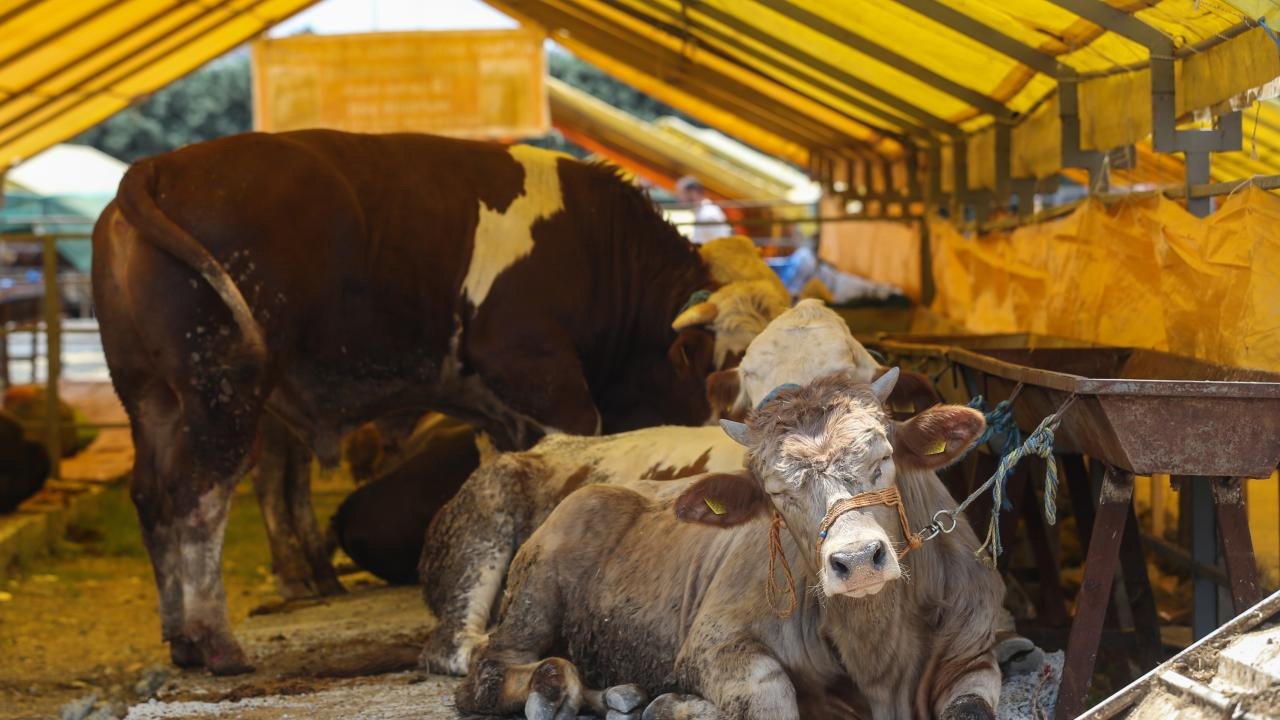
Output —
(299, 559)
(184, 473)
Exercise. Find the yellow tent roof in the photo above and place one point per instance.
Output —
(834, 80)
(827, 84)
(66, 65)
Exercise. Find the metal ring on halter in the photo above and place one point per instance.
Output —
(941, 528)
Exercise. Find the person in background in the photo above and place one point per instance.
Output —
(691, 192)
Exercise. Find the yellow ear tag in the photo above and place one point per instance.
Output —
(716, 506)
(936, 448)
(903, 407)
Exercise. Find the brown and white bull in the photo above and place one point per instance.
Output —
(662, 586)
(325, 279)
(470, 542)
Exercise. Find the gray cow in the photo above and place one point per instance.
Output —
(664, 584)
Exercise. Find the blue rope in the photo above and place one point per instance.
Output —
(697, 296)
(1039, 442)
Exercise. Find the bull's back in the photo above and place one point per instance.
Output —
(351, 250)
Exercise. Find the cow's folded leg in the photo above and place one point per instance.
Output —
(741, 673)
(969, 707)
(464, 564)
(974, 695)
(502, 683)
(673, 706)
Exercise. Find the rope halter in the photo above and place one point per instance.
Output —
(887, 496)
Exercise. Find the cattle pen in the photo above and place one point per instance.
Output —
(702, 359)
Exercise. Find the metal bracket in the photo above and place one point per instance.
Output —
(1165, 135)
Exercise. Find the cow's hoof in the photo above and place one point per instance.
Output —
(1017, 655)
(625, 699)
(186, 653)
(555, 692)
(224, 657)
(968, 707)
(681, 707)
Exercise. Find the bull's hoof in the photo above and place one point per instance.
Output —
(555, 692)
(968, 707)
(681, 707)
(223, 656)
(186, 653)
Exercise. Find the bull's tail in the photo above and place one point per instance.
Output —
(137, 201)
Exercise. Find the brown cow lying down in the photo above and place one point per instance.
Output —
(663, 585)
(381, 525)
(24, 465)
(326, 279)
(472, 540)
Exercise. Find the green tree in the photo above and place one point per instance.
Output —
(211, 102)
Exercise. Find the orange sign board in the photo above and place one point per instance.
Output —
(476, 84)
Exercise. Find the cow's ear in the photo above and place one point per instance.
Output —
(937, 437)
(913, 393)
(723, 390)
(722, 499)
(693, 352)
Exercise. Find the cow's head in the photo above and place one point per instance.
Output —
(661, 389)
(800, 345)
(748, 295)
(811, 447)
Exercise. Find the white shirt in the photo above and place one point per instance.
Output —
(707, 211)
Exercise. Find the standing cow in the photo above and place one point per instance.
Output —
(327, 279)
(664, 585)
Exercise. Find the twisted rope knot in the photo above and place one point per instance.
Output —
(1039, 442)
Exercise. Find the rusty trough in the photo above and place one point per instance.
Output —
(1138, 412)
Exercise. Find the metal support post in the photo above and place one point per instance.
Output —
(53, 355)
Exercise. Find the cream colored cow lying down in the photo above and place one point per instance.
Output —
(647, 588)
(473, 538)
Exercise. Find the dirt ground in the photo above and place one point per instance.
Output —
(84, 621)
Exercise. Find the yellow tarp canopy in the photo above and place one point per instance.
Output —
(641, 148)
(827, 84)
(65, 66)
(834, 80)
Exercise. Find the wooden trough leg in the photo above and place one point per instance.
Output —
(1095, 592)
(1053, 603)
(1142, 601)
(1237, 545)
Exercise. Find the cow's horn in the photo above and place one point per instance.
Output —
(700, 314)
(883, 385)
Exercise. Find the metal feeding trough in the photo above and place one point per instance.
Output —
(1140, 410)
(928, 354)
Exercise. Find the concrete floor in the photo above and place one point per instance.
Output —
(321, 660)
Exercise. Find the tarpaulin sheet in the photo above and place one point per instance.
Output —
(1143, 273)
(885, 250)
